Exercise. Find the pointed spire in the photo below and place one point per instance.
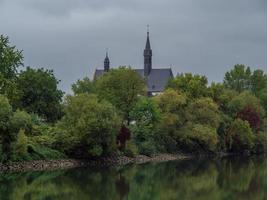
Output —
(106, 62)
(147, 39)
(147, 56)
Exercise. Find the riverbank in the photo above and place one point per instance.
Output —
(42, 165)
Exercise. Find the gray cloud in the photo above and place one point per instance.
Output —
(70, 36)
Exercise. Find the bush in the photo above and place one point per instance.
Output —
(204, 111)
(147, 148)
(21, 120)
(239, 136)
(21, 144)
(245, 100)
(89, 127)
(197, 138)
(5, 112)
(6, 136)
(146, 115)
(131, 149)
(40, 152)
(260, 143)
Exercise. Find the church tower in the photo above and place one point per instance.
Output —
(147, 56)
(106, 63)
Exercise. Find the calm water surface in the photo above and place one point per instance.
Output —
(228, 179)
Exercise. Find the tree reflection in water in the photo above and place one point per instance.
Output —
(231, 178)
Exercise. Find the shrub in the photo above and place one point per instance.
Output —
(252, 117)
(21, 144)
(89, 127)
(245, 100)
(145, 115)
(21, 120)
(260, 143)
(204, 111)
(239, 136)
(6, 137)
(147, 148)
(131, 149)
(197, 138)
(5, 112)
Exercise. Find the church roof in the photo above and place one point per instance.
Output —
(156, 80)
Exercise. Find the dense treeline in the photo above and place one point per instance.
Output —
(112, 114)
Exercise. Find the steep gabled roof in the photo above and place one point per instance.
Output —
(156, 81)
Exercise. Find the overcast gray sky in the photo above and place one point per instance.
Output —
(200, 36)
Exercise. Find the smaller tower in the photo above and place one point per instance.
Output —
(106, 63)
(147, 55)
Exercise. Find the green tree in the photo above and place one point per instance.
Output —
(83, 86)
(6, 136)
(40, 94)
(172, 104)
(258, 81)
(21, 120)
(194, 86)
(21, 144)
(238, 78)
(194, 137)
(203, 111)
(121, 87)
(245, 100)
(10, 60)
(239, 136)
(89, 126)
(146, 116)
(262, 95)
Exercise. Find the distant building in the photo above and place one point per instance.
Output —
(156, 79)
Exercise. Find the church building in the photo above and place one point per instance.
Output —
(155, 78)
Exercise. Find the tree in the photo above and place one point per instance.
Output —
(121, 87)
(146, 116)
(203, 111)
(40, 94)
(194, 86)
(258, 81)
(6, 136)
(239, 136)
(245, 100)
(172, 105)
(194, 137)
(10, 60)
(252, 117)
(262, 95)
(21, 120)
(221, 95)
(89, 127)
(241, 78)
(83, 86)
(238, 78)
(21, 144)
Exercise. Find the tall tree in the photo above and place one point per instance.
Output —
(40, 94)
(258, 81)
(238, 78)
(241, 78)
(121, 87)
(10, 60)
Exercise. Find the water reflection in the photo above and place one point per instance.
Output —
(235, 178)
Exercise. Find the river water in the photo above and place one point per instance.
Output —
(225, 179)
